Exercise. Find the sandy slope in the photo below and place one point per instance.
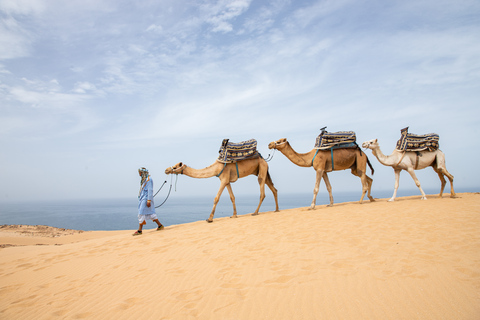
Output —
(410, 259)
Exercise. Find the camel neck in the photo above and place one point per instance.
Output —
(383, 159)
(300, 159)
(208, 172)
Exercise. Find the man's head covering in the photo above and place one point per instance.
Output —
(143, 173)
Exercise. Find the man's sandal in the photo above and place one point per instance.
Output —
(160, 228)
(137, 233)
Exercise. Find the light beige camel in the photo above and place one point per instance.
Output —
(351, 158)
(228, 174)
(411, 161)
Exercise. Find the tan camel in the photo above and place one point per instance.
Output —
(410, 161)
(351, 158)
(229, 173)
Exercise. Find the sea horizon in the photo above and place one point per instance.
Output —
(121, 214)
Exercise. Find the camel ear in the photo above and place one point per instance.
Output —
(375, 140)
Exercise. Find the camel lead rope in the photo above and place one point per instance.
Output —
(169, 190)
(160, 188)
(270, 157)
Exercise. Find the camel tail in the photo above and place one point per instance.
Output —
(368, 161)
(370, 165)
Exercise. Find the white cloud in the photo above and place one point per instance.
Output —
(264, 18)
(84, 87)
(3, 70)
(155, 28)
(44, 99)
(221, 14)
(23, 7)
(15, 38)
(50, 86)
(315, 10)
(15, 41)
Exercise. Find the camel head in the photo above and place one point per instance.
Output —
(279, 144)
(371, 144)
(176, 169)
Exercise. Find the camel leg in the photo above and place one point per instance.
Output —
(232, 198)
(363, 178)
(414, 177)
(329, 188)
(364, 188)
(261, 182)
(274, 191)
(442, 181)
(397, 182)
(317, 187)
(441, 172)
(442, 169)
(215, 202)
(450, 178)
(370, 182)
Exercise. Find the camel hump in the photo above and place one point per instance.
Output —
(233, 152)
(341, 139)
(414, 142)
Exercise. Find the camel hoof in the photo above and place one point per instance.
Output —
(391, 200)
(371, 199)
(254, 214)
(423, 198)
(277, 210)
(233, 217)
(209, 221)
(329, 205)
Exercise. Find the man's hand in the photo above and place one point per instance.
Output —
(149, 203)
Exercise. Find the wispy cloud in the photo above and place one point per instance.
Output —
(220, 15)
(15, 41)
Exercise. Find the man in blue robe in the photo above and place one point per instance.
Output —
(146, 207)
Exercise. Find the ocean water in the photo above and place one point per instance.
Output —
(121, 214)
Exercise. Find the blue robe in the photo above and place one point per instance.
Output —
(146, 193)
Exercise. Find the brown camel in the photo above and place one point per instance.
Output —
(411, 161)
(350, 158)
(229, 173)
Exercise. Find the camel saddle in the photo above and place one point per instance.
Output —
(341, 139)
(232, 152)
(414, 142)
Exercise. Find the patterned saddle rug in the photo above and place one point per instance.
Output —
(341, 139)
(413, 142)
(233, 152)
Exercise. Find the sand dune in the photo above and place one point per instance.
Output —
(410, 259)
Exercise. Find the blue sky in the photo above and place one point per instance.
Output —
(91, 90)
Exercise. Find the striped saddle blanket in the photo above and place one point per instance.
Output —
(341, 139)
(413, 142)
(233, 152)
